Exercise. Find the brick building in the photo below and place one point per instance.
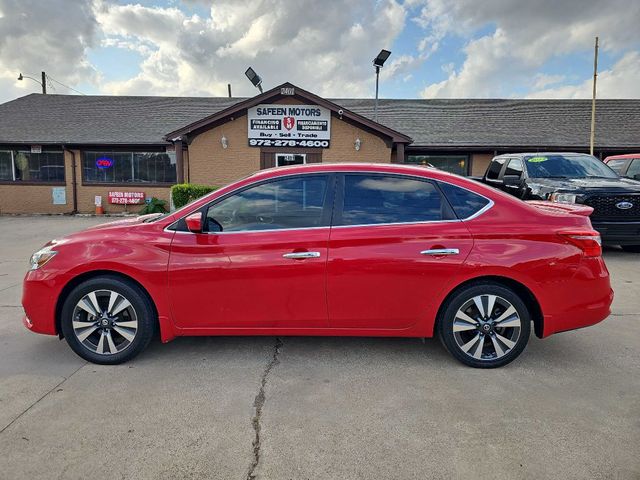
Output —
(59, 152)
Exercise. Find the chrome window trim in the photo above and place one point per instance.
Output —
(484, 209)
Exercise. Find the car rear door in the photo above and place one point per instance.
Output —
(394, 244)
(261, 261)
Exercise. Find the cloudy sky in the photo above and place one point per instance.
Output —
(454, 48)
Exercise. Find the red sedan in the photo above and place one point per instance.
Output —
(366, 250)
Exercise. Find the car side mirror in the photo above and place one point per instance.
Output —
(511, 181)
(194, 222)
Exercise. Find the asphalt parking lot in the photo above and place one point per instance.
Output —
(316, 408)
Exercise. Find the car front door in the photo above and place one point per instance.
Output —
(260, 261)
(394, 244)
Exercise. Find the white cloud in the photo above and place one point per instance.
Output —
(525, 36)
(621, 81)
(35, 36)
(305, 42)
(543, 80)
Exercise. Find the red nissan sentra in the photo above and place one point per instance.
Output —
(350, 249)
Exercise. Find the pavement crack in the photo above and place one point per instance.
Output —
(258, 404)
(10, 286)
(42, 398)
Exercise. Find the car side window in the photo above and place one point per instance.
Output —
(377, 199)
(287, 203)
(634, 168)
(514, 167)
(617, 165)
(465, 203)
(494, 169)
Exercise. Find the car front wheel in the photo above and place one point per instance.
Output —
(107, 320)
(485, 325)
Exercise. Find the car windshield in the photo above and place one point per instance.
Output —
(567, 166)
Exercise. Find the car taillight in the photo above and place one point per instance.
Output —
(588, 241)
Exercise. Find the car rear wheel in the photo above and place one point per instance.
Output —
(107, 320)
(485, 325)
(631, 248)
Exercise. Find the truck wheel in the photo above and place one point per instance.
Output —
(107, 320)
(485, 325)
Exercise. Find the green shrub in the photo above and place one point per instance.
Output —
(184, 193)
(154, 206)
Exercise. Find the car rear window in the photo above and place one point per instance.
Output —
(494, 169)
(377, 199)
(464, 202)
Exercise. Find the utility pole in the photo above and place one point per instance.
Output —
(44, 83)
(593, 99)
(229, 88)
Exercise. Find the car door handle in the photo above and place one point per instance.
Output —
(301, 255)
(440, 251)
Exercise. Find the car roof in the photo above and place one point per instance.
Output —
(354, 167)
(522, 154)
(626, 155)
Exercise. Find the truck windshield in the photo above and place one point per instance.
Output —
(567, 166)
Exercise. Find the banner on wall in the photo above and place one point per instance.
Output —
(126, 198)
(278, 125)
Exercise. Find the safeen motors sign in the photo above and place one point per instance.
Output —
(289, 126)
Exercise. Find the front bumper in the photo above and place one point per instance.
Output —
(618, 233)
(40, 292)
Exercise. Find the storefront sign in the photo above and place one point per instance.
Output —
(36, 148)
(280, 125)
(104, 162)
(126, 198)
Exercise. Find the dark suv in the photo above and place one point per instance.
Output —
(574, 178)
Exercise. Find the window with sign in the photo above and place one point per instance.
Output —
(287, 159)
(129, 167)
(24, 166)
(457, 164)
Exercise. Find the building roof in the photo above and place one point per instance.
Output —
(442, 123)
(273, 96)
(97, 119)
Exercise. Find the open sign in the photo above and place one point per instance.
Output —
(104, 162)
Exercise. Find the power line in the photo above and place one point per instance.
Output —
(65, 86)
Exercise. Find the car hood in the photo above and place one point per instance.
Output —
(124, 222)
(586, 185)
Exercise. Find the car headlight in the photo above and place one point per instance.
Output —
(563, 197)
(41, 257)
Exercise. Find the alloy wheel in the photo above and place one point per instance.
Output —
(105, 322)
(487, 327)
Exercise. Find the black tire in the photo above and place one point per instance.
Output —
(142, 310)
(452, 340)
(631, 248)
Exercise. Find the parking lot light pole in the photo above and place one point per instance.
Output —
(254, 78)
(378, 62)
(43, 83)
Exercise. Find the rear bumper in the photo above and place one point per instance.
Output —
(585, 300)
(618, 233)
